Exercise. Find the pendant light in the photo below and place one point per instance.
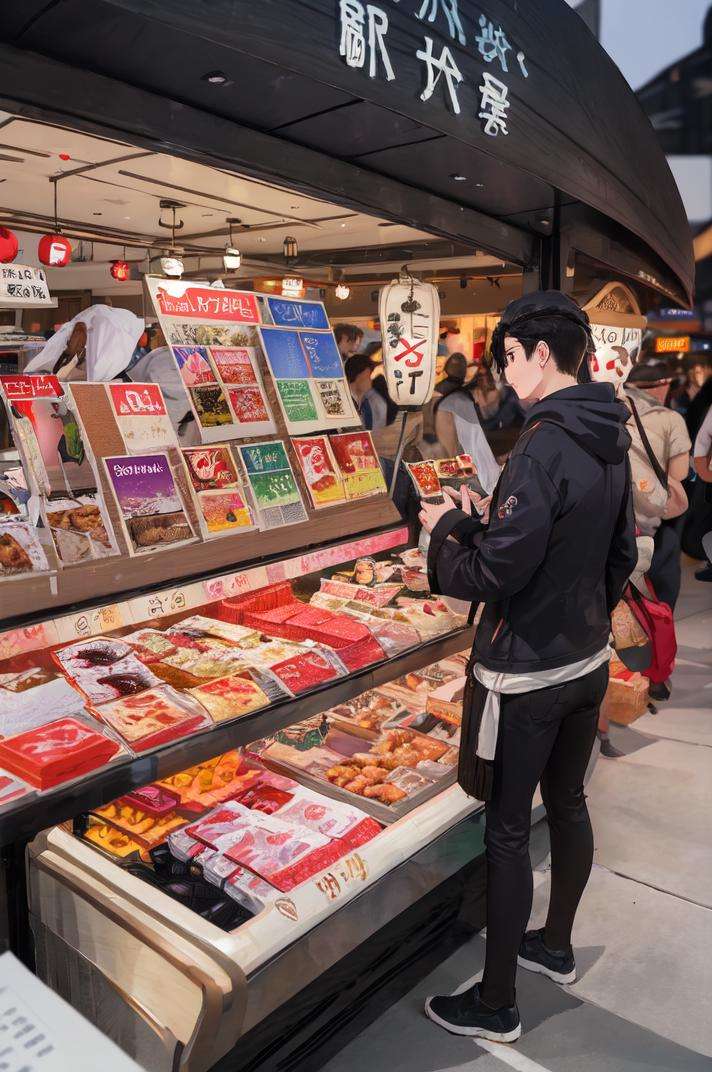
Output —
(172, 262)
(290, 248)
(55, 250)
(232, 258)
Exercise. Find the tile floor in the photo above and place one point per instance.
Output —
(644, 930)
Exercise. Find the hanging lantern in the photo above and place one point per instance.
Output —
(8, 245)
(342, 292)
(54, 250)
(120, 271)
(409, 312)
(290, 248)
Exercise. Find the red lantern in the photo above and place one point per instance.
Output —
(120, 270)
(54, 250)
(8, 245)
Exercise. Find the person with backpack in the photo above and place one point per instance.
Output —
(549, 565)
(660, 461)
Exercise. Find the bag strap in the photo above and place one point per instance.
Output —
(656, 466)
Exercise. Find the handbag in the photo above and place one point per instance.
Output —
(630, 640)
(658, 622)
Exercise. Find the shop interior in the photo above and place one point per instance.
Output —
(190, 689)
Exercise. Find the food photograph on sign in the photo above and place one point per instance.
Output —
(149, 502)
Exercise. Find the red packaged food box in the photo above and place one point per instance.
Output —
(56, 752)
(153, 718)
(154, 800)
(264, 599)
(362, 653)
(306, 671)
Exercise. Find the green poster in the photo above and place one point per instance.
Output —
(297, 400)
(275, 489)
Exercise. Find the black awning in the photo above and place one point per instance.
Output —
(522, 103)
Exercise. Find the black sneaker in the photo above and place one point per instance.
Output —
(464, 1014)
(659, 690)
(533, 955)
(704, 574)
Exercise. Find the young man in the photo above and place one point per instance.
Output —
(549, 566)
(348, 339)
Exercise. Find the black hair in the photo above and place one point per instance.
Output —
(567, 340)
(348, 331)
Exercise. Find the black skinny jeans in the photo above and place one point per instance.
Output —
(544, 736)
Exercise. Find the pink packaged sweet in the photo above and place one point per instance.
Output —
(223, 827)
(184, 847)
(269, 845)
(249, 890)
(329, 817)
(217, 869)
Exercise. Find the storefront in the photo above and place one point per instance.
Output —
(332, 143)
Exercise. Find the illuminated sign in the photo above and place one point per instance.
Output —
(672, 344)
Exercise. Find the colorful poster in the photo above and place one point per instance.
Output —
(20, 550)
(211, 468)
(194, 365)
(297, 401)
(225, 511)
(289, 313)
(49, 435)
(284, 354)
(275, 491)
(319, 469)
(249, 405)
(322, 354)
(149, 502)
(211, 405)
(234, 364)
(309, 379)
(335, 400)
(80, 529)
(358, 464)
(142, 417)
(214, 338)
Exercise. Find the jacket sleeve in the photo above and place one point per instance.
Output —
(623, 553)
(501, 559)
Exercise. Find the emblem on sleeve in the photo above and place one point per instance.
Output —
(505, 510)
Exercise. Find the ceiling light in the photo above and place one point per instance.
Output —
(459, 178)
(343, 224)
(232, 259)
(342, 292)
(172, 265)
(216, 78)
(480, 185)
(127, 217)
(261, 238)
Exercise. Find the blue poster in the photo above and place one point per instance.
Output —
(303, 314)
(285, 354)
(323, 354)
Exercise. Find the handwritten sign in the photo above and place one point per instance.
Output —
(91, 622)
(24, 285)
(185, 301)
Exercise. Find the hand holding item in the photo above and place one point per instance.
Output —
(465, 499)
(430, 513)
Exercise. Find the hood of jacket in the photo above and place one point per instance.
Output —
(591, 414)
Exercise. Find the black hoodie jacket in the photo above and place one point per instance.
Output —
(560, 545)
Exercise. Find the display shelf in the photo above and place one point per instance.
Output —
(39, 811)
(78, 586)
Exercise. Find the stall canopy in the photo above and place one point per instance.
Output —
(497, 124)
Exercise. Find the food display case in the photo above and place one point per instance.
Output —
(229, 706)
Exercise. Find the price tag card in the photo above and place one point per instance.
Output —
(91, 622)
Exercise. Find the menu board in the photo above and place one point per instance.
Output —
(274, 489)
(213, 336)
(309, 379)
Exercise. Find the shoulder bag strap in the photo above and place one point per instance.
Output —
(656, 466)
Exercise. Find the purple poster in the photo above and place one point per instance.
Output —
(148, 500)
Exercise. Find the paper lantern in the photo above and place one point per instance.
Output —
(409, 312)
(54, 250)
(8, 245)
(120, 271)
